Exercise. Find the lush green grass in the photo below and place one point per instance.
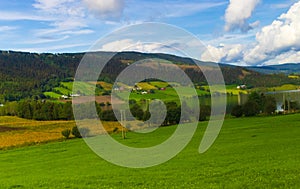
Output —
(146, 86)
(83, 87)
(52, 94)
(159, 84)
(63, 90)
(230, 89)
(284, 87)
(66, 88)
(258, 152)
(167, 95)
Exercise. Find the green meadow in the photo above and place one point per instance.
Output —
(258, 152)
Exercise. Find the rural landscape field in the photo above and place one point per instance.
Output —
(150, 94)
(260, 152)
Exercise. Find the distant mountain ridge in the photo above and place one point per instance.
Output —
(289, 68)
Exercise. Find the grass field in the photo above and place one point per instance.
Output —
(146, 86)
(167, 95)
(52, 95)
(230, 89)
(105, 85)
(159, 84)
(66, 88)
(285, 87)
(261, 152)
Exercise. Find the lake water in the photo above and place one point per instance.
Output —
(280, 96)
(232, 100)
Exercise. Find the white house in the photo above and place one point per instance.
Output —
(64, 97)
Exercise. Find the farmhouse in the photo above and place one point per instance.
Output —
(64, 96)
(241, 87)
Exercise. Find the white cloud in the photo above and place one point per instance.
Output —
(50, 40)
(281, 36)
(231, 53)
(59, 7)
(237, 14)
(70, 19)
(7, 28)
(13, 16)
(287, 57)
(116, 45)
(276, 43)
(131, 45)
(106, 9)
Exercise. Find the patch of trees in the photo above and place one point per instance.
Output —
(45, 110)
(256, 104)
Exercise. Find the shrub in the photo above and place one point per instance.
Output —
(66, 133)
(79, 133)
(251, 108)
(237, 111)
(270, 105)
(205, 112)
(76, 132)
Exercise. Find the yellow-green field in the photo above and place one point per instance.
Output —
(16, 131)
(230, 89)
(105, 85)
(285, 87)
(146, 86)
(294, 76)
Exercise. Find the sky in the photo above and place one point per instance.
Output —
(239, 32)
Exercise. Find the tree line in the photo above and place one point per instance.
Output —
(46, 110)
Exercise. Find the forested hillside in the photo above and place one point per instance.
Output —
(29, 75)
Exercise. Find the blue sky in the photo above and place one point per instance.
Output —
(241, 32)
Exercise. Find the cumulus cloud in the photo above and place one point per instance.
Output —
(237, 14)
(278, 38)
(287, 57)
(106, 9)
(276, 43)
(223, 53)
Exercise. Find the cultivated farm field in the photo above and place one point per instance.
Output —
(16, 132)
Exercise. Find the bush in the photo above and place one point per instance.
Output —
(76, 132)
(251, 108)
(269, 105)
(66, 133)
(79, 133)
(205, 112)
(237, 111)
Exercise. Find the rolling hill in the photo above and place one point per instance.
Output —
(30, 75)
